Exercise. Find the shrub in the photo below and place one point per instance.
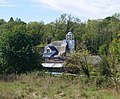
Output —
(77, 63)
(17, 53)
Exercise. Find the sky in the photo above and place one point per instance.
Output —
(49, 10)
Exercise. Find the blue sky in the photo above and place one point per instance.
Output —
(49, 10)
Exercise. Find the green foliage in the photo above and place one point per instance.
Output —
(103, 50)
(17, 53)
(96, 35)
(37, 85)
(35, 30)
(11, 19)
(114, 49)
(104, 68)
(99, 36)
(109, 66)
(78, 61)
(2, 21)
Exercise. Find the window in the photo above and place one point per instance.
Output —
(48, 50)
(69, 37)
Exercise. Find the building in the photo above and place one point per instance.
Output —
(55, 51)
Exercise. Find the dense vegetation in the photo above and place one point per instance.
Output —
(38, 85)
(96, 35)
(99, 36)
(19, 40)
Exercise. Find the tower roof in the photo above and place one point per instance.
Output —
(69, 33)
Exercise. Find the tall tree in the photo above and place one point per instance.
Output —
(11, 19)
(35, 30)
(17, 53)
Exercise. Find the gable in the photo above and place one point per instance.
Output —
(50, 51)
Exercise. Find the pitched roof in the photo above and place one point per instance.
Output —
(59, 45)
(51, 54)
(53, 49)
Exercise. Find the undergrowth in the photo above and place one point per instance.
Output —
(39, 85)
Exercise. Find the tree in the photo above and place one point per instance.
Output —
(11, 19)
(114, 59)
(35, 30)
(2, 21)
(17, 53)
(109, 66)
(78, 63)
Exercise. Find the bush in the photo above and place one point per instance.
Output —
(77, 63)
(17, 53)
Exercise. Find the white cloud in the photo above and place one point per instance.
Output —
(83, 8)
(5, 3)
(8, 5)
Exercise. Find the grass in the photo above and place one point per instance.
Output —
(45, 86)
